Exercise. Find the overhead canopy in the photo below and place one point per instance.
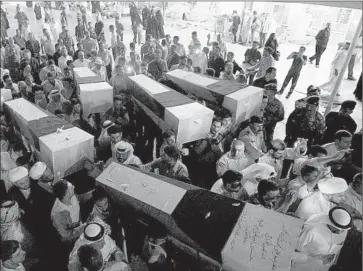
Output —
(340, 4)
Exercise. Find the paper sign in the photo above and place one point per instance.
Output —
(261, 240)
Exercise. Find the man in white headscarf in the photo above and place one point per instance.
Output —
(43, 175)
(321, 240)
(124, 155)
(254, 174)
(55, 101)
(95, 235)
(330, 194)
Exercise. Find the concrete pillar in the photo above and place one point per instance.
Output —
(248, 5)
(342, 72)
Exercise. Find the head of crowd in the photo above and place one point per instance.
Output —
(312, 174)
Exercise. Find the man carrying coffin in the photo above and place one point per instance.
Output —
(124, 155)
(169, 165)
(330, 194)
(231, 185)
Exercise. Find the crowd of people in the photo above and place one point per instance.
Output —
(314, 173)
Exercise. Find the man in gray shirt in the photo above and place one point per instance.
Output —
(322, 40)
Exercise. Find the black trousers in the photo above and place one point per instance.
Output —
(318, 53)
(351, 66)
(289, 76)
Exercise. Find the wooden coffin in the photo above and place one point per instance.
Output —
(196, 217)
(6, 95)
(84, 75)
(60, 151)
(32, 121)
(96, 97)
(171, 110)
(39, 127)
(262, 239)
(243, 102)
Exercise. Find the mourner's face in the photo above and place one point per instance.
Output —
(336, 198)
(234, 187)
(170, 140)
(77, 108)
(257, 127)
(311, 108)
(347, 111)
(216, 127)
(39, 94)
(28, 81)
(229, 57)
(345, 142)
(18, 256)
(237, 151)
(116, 138)
(122, 156)
(23, 184)
(312, 176)
(270, 198)
(168, 160)
(102, 204)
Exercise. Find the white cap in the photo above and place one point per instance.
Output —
(98, 61)
(37, 170)
(17, 174)
(333, 185)
(340, 217)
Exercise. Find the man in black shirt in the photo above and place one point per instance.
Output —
(230, 58)
(269, 78)
(341, 120)
(252, 57)
(299, 61)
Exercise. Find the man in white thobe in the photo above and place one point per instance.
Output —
(330, 194)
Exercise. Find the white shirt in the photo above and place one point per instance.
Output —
(314, 204)
(299, 186)
(62, 62)
(78, 63)
(217, 187)
(199, 60)
(330, 148)
(317, 241)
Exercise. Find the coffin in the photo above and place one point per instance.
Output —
(171, 110)
(243, 102)
(238, 235)
(58, 150)
(96, 97)
(84, 75)
(32, 121)
(180, 207)
(262, 239)
(6, 95)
